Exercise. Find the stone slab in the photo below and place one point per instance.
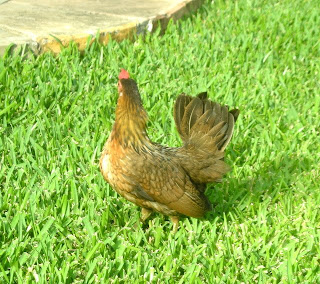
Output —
(44, 25)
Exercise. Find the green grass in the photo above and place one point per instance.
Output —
(61, 223)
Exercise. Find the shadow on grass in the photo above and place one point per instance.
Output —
(269, 182)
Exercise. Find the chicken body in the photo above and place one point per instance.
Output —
(153, 178)
(171, 181)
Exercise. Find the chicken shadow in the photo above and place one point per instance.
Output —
(235, 194)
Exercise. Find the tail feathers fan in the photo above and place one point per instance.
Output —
(199, 116)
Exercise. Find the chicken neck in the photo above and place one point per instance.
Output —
(129, 129)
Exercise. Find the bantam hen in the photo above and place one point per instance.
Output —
(168, 180)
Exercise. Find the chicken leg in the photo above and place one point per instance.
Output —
(175, 221)
(145, 214)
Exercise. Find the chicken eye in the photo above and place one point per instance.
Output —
(119, 88)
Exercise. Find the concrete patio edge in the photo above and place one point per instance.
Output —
(54, 44)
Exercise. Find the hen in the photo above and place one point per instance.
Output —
(171, 181)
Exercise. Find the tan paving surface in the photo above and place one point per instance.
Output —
(37, 23)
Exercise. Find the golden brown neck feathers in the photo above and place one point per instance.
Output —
(130, 126)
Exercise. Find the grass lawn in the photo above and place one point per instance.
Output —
(60, 222)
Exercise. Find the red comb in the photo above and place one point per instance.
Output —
(124, 74)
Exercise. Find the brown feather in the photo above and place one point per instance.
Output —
(191, 114)
(179, 109)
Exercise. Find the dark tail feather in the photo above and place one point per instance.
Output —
(179, 110)
(235, 112)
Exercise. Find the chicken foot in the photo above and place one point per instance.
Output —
(145, 214)
(175, 221)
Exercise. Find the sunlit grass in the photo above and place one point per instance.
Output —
(60, 221)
